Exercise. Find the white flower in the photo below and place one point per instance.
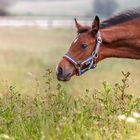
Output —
(4, 136)
(121, 117)
(136, 114)
(131, 120)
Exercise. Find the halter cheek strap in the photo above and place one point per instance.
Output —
(89, 62)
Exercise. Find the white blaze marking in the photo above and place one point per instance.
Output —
(75, 40)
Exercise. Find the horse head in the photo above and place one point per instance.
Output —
(83, 52)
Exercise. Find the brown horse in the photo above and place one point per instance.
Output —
(118, 36)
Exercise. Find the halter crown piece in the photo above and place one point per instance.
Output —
(89, 62)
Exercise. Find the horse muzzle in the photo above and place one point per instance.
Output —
(62, 75)
(64, 70)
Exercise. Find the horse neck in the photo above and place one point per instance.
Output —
(121, 41)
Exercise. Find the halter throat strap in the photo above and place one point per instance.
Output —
(89, 62)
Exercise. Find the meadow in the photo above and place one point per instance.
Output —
(102, 104)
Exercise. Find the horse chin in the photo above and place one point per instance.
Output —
(64, 79)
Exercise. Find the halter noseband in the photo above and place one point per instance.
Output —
(89, 62)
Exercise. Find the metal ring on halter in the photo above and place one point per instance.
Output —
(99, 39)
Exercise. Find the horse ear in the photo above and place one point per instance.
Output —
(95, 25)
(77, 25)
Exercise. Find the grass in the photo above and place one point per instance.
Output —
(35, 106)
(57, 115)
(34, 50)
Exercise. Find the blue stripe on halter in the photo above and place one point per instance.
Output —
(85, 60)
(69, 57)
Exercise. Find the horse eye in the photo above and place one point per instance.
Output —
(84, 46)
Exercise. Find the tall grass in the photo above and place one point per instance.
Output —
(37, 108)
(56, 115)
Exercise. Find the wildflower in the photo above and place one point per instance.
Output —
(136, 114)
(121, 117)
(4, 136)
(131, 120)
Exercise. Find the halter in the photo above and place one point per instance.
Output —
(89, 62)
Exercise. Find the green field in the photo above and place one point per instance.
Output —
(35, 106)
(24, 51)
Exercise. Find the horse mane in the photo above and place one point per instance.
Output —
(121, 18)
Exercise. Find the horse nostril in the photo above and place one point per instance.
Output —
(62, 74)
(60, 70)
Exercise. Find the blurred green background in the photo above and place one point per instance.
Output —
(34, 35)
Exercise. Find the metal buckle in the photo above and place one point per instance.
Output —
(96, 56)
(99, 39)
